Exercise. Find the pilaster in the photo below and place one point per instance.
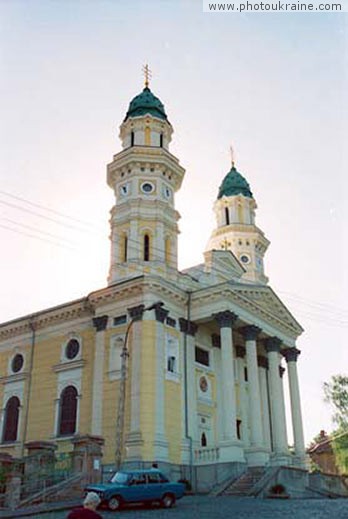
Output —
(100, 324)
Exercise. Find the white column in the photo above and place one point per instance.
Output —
(291, 355)
(225, 321)
(250, 334)
(263, 366)
(160, 441)
(285, 431)
(243, 400)
(188, 329)
(132, 395)
(273, 348)
(100, 324)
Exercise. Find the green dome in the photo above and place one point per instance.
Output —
(234, 184)
(146, 103)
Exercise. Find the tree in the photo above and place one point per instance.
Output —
(336, 394)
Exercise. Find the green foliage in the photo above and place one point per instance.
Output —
(340, 448)
(336, 393)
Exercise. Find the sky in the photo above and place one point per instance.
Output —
(273, 85)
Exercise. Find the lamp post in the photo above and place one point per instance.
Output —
(122, 390)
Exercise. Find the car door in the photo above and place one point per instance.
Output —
(154, 485)
(137, 488)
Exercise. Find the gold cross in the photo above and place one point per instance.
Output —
(147, 73)
(225, 244)
(232, 156)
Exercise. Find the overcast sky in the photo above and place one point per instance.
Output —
(273, 85)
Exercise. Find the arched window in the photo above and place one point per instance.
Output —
(132, 138)
(227, 215)
(10, 430)
(161, 140)
(146, 247)
(203, 440)
(125, 247)
(67, 411)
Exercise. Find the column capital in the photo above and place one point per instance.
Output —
(216, 340)
(290, 354)
(225, 319)
(161, 314)
(281, 371)
(136, 312)
(240, 351)
(273, 344)
(251, 332)
(100, 322)
(262, 361)
(188, 327)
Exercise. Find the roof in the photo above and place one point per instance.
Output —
(146, 103)
(234, 184)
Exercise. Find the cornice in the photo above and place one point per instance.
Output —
(67, 366)
(241, 295)
(15, 377)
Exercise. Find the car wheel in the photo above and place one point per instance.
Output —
(168, 500)
(114, 503)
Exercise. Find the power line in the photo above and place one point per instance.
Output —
(34, 204)
(37, 230)
(37, 237)
(74, 227)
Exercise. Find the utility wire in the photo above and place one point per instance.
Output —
(37, 237)
(35, 229)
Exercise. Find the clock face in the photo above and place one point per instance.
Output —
(147, 187)
(244, 259)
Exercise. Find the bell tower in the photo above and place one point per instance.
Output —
(236, 229)
(145, 177)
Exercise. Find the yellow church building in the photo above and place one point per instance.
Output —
(181, 368)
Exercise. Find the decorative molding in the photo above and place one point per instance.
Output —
(100, 323)
(15, 377)
(262, 361)
(225, 319)
(66, 366)
(136, 312)
(273, 344)
(251, 332)
(290, 354)
(188, 327)
(161, 314)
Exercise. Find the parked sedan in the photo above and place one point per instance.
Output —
(138, 486)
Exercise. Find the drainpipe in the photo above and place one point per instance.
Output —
(187, 436)
(26, 410)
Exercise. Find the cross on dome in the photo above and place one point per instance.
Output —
(147, 74)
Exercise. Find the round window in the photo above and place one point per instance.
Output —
(244, 258)
(17, 363)
(72, 349)
(147, 187)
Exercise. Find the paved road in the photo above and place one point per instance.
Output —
(198, 507)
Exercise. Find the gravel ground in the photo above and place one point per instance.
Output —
(204, 507)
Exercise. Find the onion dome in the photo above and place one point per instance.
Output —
(234, 184)
(146, 103)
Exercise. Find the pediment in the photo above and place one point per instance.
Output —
(223, 262)
(268, 301)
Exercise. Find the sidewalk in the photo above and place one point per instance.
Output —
(39, 509)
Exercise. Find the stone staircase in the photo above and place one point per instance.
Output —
(244, 485)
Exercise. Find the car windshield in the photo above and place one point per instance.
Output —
(119, 477)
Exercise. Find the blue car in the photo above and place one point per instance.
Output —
(138, 486)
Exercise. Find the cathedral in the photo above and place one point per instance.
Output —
(184, 369)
